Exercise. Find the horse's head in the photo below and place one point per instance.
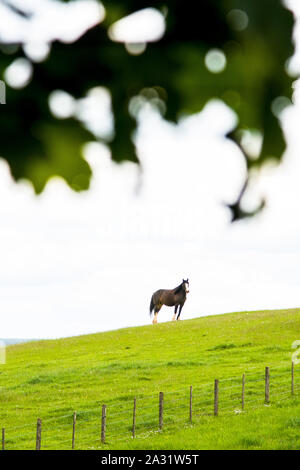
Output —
(186, 285)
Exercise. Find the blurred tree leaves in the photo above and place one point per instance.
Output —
(255, 38)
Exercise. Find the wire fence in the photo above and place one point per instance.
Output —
(141, 416)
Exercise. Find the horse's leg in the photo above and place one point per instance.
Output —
(180, 308)
(157, 309)
(175, 311)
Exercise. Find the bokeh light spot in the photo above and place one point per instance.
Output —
(279, 104)
(19, 73)
(62, 104)
(251, 141)
(215, 60)
(135, 48)
(238, 19)
(37, 51)
(146, 25)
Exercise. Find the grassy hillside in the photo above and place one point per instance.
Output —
(51, 379)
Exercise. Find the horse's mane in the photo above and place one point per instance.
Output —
(178, 289)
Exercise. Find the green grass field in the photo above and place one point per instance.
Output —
(52, 379)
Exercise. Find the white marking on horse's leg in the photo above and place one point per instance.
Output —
(174, 317)
(155, 319)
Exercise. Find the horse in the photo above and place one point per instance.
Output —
(170, 297)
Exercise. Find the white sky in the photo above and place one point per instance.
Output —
(79, 263)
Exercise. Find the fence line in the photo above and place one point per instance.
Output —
(135, 417)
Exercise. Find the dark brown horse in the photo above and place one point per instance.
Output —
(170, 297)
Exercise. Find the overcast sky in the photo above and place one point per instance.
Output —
(79, 263)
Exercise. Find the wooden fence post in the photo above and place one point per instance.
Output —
(216, 398)
(292, 377)
(243, 391)
(38, 434)
(3, 438)
(74, 428)
(134, 418)
(191, 403)
(103, 424)
(161, 410)
(267, 385)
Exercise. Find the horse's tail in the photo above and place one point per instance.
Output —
(151, 305)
